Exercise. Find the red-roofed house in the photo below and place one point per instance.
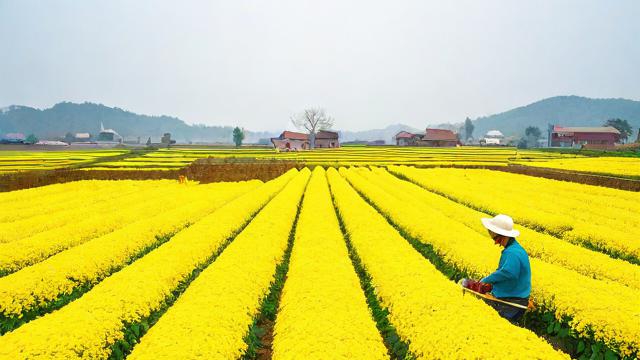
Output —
(431, 137)
(405, 138)
(294, 141)
(327, 139)
(438, 138)
(605, 136)
(291, 141)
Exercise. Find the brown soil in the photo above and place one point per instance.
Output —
(265, 352)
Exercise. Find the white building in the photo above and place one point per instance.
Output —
(108, 135)
(494, 137)
(82, 137)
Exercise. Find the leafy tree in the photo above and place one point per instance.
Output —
(530, 138)
(238, 136)
(149, 141)
(622, 126)
(468, 129)
(31, 139)
(69, 137)
(533, 134)
(533, 131)
(522, 143)
(312, 120)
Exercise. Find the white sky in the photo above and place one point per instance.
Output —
(369, 63)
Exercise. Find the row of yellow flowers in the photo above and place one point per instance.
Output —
(89, 326)
(573, 195)
(81, 227)
(602, 310)
(425, 307)
(79, 194)
(15, 199)
(42, 160)
(211, 318)
(92, 261)
(600, 165)
(172, 158)
(605, 218)
(94, 203)
(544, 246)
(323, 311)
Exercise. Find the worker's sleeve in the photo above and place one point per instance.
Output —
(509, 270)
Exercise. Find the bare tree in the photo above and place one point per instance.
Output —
(312, 120)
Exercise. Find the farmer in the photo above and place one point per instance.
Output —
(512, 281)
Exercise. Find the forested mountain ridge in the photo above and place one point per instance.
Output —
(560, 110)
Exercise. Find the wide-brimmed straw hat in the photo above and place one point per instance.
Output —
(500, 224)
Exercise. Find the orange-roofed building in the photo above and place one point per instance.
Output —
(291, 141)
(431, 137)
(327, 139)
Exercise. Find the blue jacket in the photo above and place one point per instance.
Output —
(513, 277)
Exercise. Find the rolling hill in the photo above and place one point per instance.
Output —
(560, 110)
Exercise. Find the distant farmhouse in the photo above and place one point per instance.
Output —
(405, 138)
(494, 137)
(291, 141)
(431, 138)
(594, 137)
(295, 141)
(327, 139)
(13, 138)
(108, 135)
(82, 137)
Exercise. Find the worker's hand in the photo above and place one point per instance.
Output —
(484, 288)
(477, 286)
(465, 282)
(470, 284)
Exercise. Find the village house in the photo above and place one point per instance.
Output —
(327, 139)
(108, 135)
(431, 138)
(82, 137)
(494, 137)
(291, 141)
(596, 137)
(13, 138)
(405, 138)
(294, 141)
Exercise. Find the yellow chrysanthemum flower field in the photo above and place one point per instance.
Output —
(358, 262)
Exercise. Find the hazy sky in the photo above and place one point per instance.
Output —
(370, 64)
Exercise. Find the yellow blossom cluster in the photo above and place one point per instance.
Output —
(602, 217)
(44, 201)
(177, 157)
(323, 311)
(95, 221)
(544, 246)
(15, 199)
(604, 310)
(211, 318)
(87, 327)
(627, 166)
(424, 306)
(11, 161)
(20, 224)
(87, 263)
